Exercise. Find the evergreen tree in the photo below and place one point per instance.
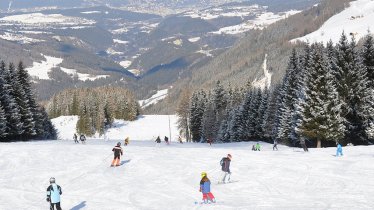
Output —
(209, 121)
(22, 101)
(352, 88)
(368, 58)
(259, 132)
(197, 107)
(3, 123)
(269, 122)
(322, 108)
(13, 118)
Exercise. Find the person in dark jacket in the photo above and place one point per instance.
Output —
(275, 144)
(225, 163)
(158, 140)
(53, 194)
(205, 188)
(83, 139)
(166, 140)
(75, 137)
(117, 150)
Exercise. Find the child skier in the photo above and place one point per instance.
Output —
(117, 150)
(53, 194)
(205, 188)
(275, 144)
(225, 163)
(83, 139)
(166, 140)
(339, 150)
(258, 147)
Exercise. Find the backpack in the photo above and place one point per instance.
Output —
(222, 161)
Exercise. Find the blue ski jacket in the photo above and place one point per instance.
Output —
(53, 192)
(339, 148)
(205, 186)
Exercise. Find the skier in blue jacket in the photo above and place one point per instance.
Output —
(205, 188)
(339, 150)
(53, 194)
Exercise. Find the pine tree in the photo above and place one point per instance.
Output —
(209, 121)
(197, 107)
(183, 113)
(368, 58)
(22, 101)
(352, 89)
(3, 123)
(322, 108)
(259, 132)
(269, 122)
(13, 118)
(24, 80)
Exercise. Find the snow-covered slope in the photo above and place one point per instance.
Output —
(167, 177)
(265, 81)
(161, 94)
(355, 20)
(146, 127)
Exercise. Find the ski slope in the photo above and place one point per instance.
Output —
(167, 177)
(146, 127)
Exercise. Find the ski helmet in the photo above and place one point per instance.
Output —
(229, 156)
(203, 174)
(52, 180)
(119, 144)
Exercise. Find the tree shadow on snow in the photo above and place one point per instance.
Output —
(125, 161)
(79, 206)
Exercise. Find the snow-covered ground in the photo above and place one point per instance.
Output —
(167, 177)
(260, 22)
(265, 81)
(41, 70)
(355, 20)
(146, 127)
(161, 94)
(19, 38)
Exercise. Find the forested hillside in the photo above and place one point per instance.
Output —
(96, 107)
(325, 97)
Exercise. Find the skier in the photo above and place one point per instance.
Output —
(53, 194)
(127, 141)
(210, 141)
(83, 139)
(158, 140)
(253, 148)
(339, 150)
(302, 142)
(75, 137)
(117, 150)
(275, 144)
(166, 140)
(180, 139)
(205, 188)
(258, 147)
(225, 163)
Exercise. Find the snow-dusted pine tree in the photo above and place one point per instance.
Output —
(322, 120)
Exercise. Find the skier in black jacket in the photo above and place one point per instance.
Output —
(117, 150)
(225, 163)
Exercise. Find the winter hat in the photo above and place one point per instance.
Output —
(119, 144)
(229, 156)
(203, 174)
(52, 180)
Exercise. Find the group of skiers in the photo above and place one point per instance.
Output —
(54, 191)
(205, 182)
(82, 138)
(158, 140)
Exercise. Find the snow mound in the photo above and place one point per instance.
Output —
(146, 127)
(355, 20)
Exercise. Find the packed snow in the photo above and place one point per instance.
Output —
(146, 127)
(40, 19)
(355, 20)
(264, 82)
(41, 70)
(167, 176)
(160, 95)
